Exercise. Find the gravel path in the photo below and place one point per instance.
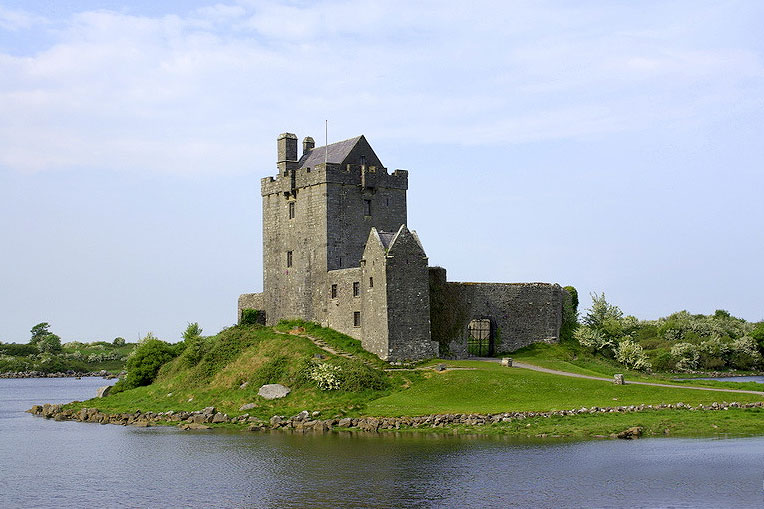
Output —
(533, 367)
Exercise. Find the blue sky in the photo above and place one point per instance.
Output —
(614, 146)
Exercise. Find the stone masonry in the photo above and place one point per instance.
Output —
(336, 250)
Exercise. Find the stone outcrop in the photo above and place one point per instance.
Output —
(273, 391)
(60, 374)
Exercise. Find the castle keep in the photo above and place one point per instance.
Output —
(337, 251)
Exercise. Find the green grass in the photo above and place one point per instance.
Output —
(258, 355)
(490, 388)
(677, 423)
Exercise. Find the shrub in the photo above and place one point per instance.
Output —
(745, 353)
(144, 362)
(593, 339)
(663, 361)
(252, 317)
(686, 355)
(569, 314)
(326, 376)
(18, 350)
(630, 354)
(118, 342)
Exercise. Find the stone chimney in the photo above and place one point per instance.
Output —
(287, 152)
(308, 144)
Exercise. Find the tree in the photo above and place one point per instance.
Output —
(39, 331)
(44, 340)
(118, 342)
(192, 332)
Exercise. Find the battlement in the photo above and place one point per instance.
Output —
(369, 177)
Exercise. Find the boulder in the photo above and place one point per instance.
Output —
(103, 391)
(273, 391)
(618, 379)
(630, 434)
(248, 406)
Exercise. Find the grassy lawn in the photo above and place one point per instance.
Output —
(236, 362)
(490, 388)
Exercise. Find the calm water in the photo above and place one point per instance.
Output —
(757, 379)
(67, 464)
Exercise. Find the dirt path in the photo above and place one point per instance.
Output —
(533, 367)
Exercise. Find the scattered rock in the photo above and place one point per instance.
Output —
(507, 362)
(440, 367)
(273, 391)
(248, 406)
(210, 410)
(219, 418)
(188, 426)
(618, 379)
(630, 434)
(297, 331)
(318, 356)
(103, 391)
(244, 385)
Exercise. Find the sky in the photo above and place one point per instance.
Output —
(614, 146)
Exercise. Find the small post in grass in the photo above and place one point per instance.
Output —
(506, 361)
(618, 379)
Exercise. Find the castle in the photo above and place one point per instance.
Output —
(337, 251)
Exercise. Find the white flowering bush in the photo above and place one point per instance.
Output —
(630, 354)
(687, 356)
(326, 376)
(593, 339)
(745, 353)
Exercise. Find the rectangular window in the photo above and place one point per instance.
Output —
(356, 318)
(367, 207)
(291, 210)
(289, 258)
(371, 282)
(334, 291)
(356, 289)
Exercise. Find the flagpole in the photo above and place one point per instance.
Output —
(326, 143)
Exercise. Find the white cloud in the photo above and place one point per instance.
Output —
(208, 92)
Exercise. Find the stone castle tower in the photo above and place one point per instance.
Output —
(337, 251)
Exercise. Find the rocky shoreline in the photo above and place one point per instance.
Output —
(310, 421)
(65, 374)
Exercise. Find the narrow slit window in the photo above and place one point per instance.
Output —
(289, 258)
(367, 207)
(371, 282)
(334, 291)
(356, 318)
(356, 289)
(291, 210)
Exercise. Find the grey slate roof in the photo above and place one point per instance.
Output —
(337, 152)
(386, 238)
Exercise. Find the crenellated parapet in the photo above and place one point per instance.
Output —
(368, 177)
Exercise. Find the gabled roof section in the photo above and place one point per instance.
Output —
(404, 236)
(342, 152)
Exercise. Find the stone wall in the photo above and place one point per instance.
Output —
(520, 313)
(408, 299)
(374, 323)
(339, 310)
(249, 301)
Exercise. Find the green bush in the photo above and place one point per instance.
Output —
(118, 342)
(18, 350)
(144, 363)
(569, 314)
(663, 361)
(252, 317)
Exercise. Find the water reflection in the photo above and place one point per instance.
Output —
(68, 464)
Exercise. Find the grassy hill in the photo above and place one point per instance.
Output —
(226, 371)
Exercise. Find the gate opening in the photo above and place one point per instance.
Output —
(480, 338)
